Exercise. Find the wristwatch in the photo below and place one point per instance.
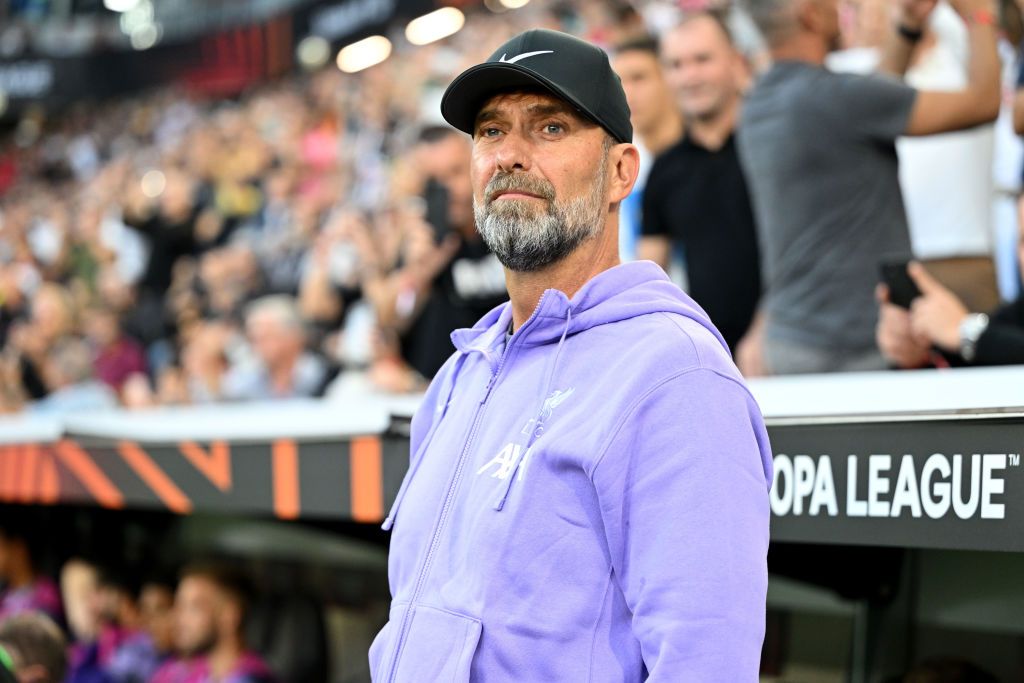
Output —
(971, 329)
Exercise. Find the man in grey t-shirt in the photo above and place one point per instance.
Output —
(819, 152)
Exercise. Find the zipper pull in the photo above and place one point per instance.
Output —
(487, 390)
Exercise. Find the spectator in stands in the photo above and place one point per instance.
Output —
(346, 266)
(116, 355)
(210, 608)
(13, 302)
(453, 278)
(32, 649)
(163, 211)
(69, 378)
(657, 125)
(280, 366)
(142, 652)
(1008, 155)
(946, 180)
(118, 613)
(31, 342)
(1017, 116)
(163, 208)
(25, 589)
(939, 320)
(175, 213)
(1018, 103)
(696, 196)
(79, 587)
(819, 153)
(204, 361)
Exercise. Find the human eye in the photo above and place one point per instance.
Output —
(553, 128)
(489, 132)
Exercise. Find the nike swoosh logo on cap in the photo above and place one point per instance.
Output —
(524, 56)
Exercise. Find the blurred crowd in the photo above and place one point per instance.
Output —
(315, 237)
(168, 251)
(101, 624)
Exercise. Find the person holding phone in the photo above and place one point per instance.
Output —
(938, 321)
(819, 152)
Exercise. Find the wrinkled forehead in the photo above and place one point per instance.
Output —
(534, 103)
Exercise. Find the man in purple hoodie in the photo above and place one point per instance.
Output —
(587, 497)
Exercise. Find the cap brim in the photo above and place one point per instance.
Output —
(473, 87)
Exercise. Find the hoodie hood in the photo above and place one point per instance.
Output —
(626, 291)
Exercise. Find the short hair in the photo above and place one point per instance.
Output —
(648, 44)
(282, 307)
(32, 639)
(773, 18)
(719, 17)
(231, 581)
(72, 360)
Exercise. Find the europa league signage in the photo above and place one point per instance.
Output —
(953, 483)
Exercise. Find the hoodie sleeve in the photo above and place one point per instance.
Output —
(683, 493)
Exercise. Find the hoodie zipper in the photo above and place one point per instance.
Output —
(450, 496)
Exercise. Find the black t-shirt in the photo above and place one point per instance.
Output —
(1002, 343)
(698, 198)
(471, 285)
(168, 240)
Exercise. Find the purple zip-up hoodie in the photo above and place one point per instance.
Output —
(586, 502)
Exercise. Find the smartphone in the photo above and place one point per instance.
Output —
(436, 197)
(902, 290)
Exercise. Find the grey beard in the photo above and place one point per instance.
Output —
(527, 238)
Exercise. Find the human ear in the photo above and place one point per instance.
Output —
(624, 160)
(808, 16)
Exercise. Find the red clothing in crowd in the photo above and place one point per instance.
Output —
(119, 361)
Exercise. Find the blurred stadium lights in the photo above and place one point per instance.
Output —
(145, 36)
(120, 5)
(153, 183)
(495, 6)
(138, 24)
(434, 26)
(313, 52)
(514, 4)
(363, 54)
(136, 17)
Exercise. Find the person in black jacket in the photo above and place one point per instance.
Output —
(938, 320)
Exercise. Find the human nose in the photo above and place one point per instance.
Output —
(513, 154)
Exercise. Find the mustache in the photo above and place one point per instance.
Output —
(518, 182)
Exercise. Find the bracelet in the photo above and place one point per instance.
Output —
(910, 34)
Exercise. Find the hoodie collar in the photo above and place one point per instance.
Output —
(625, 291)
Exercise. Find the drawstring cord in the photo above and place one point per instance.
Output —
(535, 428)
(439, 413)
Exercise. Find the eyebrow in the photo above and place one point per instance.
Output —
(536, 110)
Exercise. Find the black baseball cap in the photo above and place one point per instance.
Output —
(569, 68)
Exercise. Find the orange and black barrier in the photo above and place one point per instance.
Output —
(348, 478)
